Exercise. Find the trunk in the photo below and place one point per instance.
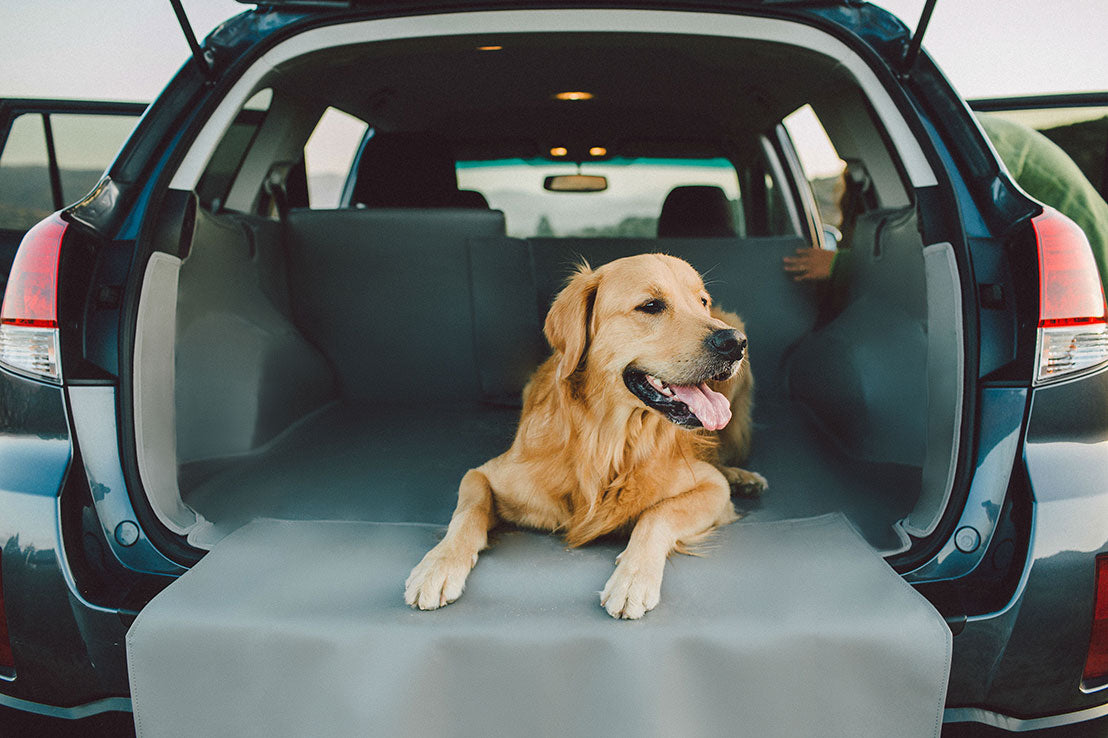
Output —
(340, 370)
(353, 364)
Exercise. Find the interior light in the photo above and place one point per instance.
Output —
(559, 151)
(489, 48)
(598, 151)
(574, 95)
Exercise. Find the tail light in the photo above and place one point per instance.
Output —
(1073, 319)
(29, 340)
(1096, 662)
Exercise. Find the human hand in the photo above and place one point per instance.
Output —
(810, 264)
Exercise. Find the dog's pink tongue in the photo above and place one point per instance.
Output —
(710, 407)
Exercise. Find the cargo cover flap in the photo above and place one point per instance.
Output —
(299, 628)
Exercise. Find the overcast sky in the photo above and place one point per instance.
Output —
(128, 49)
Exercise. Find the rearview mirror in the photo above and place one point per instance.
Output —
(576, 183)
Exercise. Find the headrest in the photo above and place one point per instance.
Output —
(406, 170)
(696, 211)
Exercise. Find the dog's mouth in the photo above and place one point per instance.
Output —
(689, 405)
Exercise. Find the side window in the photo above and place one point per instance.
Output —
(220, 173)
(25, 191)
(767, 208)
(329, 156)
(85, 145)
(823, 167)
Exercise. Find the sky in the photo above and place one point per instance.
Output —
(128, 49)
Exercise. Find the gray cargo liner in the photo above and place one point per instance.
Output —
(299, 628)
(431, 324)
(396, 464)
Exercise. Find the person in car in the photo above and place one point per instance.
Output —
(1036, 163)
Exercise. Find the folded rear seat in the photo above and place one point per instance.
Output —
(384, 293)
(744, 275)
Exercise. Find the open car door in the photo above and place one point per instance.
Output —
(52, 152)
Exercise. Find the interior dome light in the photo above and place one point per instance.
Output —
(574, 95)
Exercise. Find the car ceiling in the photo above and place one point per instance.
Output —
(653, 93)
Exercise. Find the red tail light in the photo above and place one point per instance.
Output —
(1096, 662)
(1073, 319)
(29, 319)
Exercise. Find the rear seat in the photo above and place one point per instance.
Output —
(514, 282)
(384, 294)
(437, 305)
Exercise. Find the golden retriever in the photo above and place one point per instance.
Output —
(624, 428)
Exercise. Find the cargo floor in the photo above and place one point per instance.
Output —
(387, 463)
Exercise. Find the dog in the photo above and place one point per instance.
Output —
(631, 425)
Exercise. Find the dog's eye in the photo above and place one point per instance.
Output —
(652, 307)
(704, 301)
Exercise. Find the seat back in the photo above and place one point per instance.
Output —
(385, 295)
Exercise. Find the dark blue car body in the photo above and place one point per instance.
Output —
(82, 551)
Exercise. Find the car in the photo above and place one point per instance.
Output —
(51, 153)
(1077, 122)
(241, 378)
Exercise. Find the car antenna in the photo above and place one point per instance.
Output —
(912, 52)
(203, 62)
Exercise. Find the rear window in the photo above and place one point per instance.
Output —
(628, 208)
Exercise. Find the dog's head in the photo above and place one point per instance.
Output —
(640, 330)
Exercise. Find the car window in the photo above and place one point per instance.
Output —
(822, 165)
(629, 207)
(216, 181)
(329, 156)
(25, 191)
(84, 144)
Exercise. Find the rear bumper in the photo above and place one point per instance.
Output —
(1020, 725)
(1021, 667)
(76, 712)
(1018, 668)
(68, 655)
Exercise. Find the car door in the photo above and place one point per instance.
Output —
(52, 152)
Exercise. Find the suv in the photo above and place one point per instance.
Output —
(311, 288)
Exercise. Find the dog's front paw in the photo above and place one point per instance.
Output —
(634, 587)
(438, 579)
(745, 483)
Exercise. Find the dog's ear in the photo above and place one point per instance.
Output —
(568, 326)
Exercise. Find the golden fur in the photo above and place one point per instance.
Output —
(589, 457)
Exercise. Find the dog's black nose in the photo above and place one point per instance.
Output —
(728, 343)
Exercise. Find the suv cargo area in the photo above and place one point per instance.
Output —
(243, 378)
(352, 363)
